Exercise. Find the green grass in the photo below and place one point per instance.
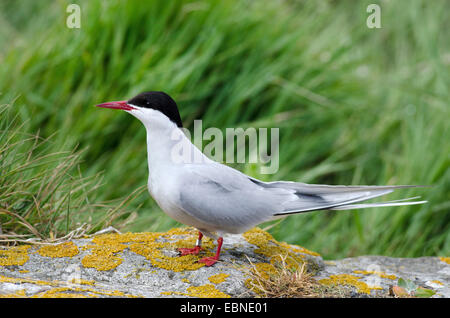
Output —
(354, 105)
(43, 195)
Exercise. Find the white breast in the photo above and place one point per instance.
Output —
(165, 172)
(165, 192)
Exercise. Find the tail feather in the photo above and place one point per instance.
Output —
(328, 189)
(323, 197)
(380, 204)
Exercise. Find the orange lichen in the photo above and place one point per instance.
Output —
(380, 274)
(218, 278)
(67, 249)
(349, 280)
(445, 259)
(14, 256)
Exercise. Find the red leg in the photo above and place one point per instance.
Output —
(195, 250)
(213, 259)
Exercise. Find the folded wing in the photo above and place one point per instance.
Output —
(229, 200)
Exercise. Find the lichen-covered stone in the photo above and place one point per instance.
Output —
(148, 265)
(373, 275)
(67, 249)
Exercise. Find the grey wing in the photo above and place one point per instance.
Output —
(226, 199)
(231, 201)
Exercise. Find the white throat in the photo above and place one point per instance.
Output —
(168, 148)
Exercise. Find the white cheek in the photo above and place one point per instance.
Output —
(143, 114)
(151, 118)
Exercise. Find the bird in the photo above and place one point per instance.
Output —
(217, 199)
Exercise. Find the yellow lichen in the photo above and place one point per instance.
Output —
(67, 249)
(349, 280)
(14, 256)
(77, 292)
(258, 237)
(279, 254)
(380, 274)
(262, 270)
(159, 249)
(437, 282)
(6, 279)
(150, 245)
(158, 259)
(101, 262)
(153, 250)
(218, 278)
(275, 251)
(204, 291)
(18, 294)
(102, 257)
(299, 249)
(267, 243)
(59, 291)
(82, 281)
(169, 293)
(445, 259)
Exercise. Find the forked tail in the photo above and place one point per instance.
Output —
(311, 197)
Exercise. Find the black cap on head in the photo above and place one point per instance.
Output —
(158, 101)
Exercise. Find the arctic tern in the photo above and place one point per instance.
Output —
(217, 199)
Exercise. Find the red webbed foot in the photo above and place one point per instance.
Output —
(192, 251)
(209, 261)
(189, 251)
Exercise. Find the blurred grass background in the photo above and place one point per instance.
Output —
(354, 105)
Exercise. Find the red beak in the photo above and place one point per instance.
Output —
(116, 105)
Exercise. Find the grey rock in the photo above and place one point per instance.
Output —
(140, 275)
(426, 272)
